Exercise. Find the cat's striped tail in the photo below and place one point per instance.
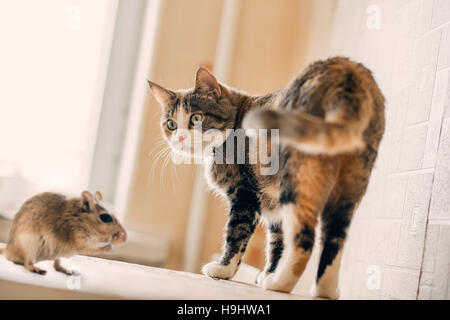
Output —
(308, 133)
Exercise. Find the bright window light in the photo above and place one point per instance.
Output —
(50, 62)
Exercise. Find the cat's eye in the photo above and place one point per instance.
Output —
(106, 218)
(196, 118)
(171, 125)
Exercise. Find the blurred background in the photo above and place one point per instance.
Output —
(76, 113)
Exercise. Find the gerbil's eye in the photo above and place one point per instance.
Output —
(106, 218)
(196, 118)
(171, 125)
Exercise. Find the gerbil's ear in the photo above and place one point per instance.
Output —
(164, 96)
(88, 201)
(98, 196)
(206, 83)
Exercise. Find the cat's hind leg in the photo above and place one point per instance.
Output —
(305, 188)
(298, 243)
(336, 219)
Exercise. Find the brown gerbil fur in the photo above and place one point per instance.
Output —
(49, 226)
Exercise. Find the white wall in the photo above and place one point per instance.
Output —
(53, 57)
(401, 232)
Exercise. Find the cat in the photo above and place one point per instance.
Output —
(330, 120)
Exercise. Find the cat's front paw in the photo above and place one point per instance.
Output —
(219, 271)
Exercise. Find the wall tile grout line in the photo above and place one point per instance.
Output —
(433, 178)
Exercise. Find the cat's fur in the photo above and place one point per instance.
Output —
(331, 121)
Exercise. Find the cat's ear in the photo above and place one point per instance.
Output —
(164, 96)
(206, 83)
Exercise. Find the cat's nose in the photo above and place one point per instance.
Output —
(181, 138)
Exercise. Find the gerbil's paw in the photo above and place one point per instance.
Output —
(70, 272)
(104, 247)
(73, 273)
(261, 276)
(219, 271)
(38, 271)
(271, 283)
(324, 293)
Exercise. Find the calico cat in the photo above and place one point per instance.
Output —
(330, 120)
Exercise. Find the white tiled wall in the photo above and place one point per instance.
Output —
(399, 243)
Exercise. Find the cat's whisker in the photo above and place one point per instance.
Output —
(163, 148)
(177, 178)
(160, 154)
(172, 169)
(157, 144)
(161, 174)
(157, 158)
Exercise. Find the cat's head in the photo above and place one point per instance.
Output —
(203, 112)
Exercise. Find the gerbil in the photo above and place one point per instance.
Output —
(49, 226)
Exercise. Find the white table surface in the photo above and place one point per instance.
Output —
(121, 280)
